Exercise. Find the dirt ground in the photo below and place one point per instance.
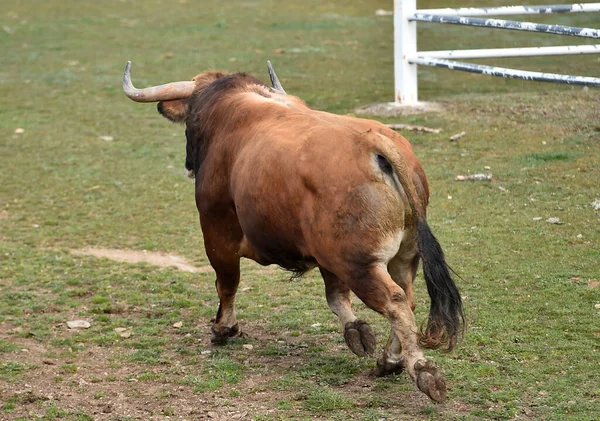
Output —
(92, 381)
(108, 391)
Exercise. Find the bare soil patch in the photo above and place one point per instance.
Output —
(142, 256)
(391, 109)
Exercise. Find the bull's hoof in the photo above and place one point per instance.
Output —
(359, 338)
(430, 381)
(220, 336)
(385, 368)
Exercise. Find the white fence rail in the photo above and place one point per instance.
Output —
(406, 56)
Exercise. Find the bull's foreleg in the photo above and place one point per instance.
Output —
(222, 238)
(377, 289)
(225, 325)
(357, 333)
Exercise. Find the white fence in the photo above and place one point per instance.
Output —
(406, 56)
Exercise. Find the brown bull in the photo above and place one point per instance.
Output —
(279, 183)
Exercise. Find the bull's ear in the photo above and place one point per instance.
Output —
(176, 110)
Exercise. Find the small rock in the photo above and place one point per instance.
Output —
(206, 352)
(502, 188)
(474, 177)
(316, 325)
(537, 218)
(554, 220)
(249, 347)
(596, 204)
(449, 197)
(125, 335)
(106, 138)
(19, 131)
(78, 324)
(579, 236)
(597, 306)
(177, 325)
(120, 329)
(457, 136)
(381, 12)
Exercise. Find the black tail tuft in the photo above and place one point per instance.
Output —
(446, 318)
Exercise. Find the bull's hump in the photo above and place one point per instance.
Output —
(275, 98)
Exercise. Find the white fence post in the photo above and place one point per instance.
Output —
(405, 46)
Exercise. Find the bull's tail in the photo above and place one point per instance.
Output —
(446, 318)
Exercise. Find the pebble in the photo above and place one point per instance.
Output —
(249, 347)
(554, 220)
(537, 218)
(177, 325)
(78, 324)
(106, 138)
(19, 131)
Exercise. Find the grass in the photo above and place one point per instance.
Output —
(531, 349)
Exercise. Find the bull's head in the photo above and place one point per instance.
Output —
(173, 98)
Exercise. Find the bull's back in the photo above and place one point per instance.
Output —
(304, 198)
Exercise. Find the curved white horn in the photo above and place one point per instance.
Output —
(274, 79)
(166, 92)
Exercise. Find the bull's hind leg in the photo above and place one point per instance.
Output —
(377, 289)
(357, 333)
(402, 268)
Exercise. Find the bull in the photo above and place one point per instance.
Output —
(280, 183)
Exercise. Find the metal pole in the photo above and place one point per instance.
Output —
(514, 10)
(512, 52)
(405, 45)
(509, 24)
(509, 73)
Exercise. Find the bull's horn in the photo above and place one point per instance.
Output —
(274, 79)
(166, 92)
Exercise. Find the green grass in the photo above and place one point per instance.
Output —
(531, 349)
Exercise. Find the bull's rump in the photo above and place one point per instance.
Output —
(316, 198)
